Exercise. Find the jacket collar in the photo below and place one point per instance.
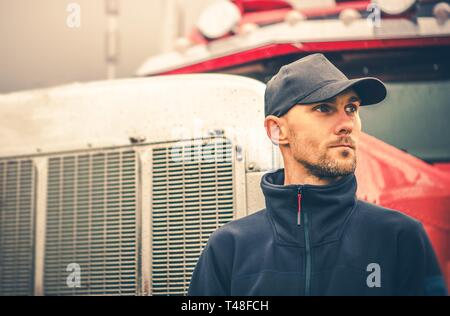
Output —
(327, 207)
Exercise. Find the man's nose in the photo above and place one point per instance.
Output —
(345, 122)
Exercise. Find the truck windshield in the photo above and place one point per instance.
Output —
(414, 117)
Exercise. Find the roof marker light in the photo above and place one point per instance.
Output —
(248, 28)
(394, 7)
(348, 16)
(441, 11)
(293, 17)
(218, 19)
(182, 44)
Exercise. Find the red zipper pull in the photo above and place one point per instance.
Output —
(299, 212)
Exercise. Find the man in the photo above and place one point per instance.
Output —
(315, 237)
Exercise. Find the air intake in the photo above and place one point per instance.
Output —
(192, 196)
(16, 227)
(91, 222)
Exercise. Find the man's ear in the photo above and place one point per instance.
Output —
(276, 130)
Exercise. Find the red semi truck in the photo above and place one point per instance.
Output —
(404, 159)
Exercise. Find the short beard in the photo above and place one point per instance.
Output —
(327, 168)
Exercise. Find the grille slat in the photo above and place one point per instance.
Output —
(16, 231)
(91, 221)
(192, 195)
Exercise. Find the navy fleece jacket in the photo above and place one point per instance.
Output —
(318, 240)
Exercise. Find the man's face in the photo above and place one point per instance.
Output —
(316, 133)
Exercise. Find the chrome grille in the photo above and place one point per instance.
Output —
(191, 197)
(16, 227)
(91, 221)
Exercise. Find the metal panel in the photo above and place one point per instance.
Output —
(255, 196)
(16, 227)
(41, 167)
(145, 218)
(192, 195)
(63, 119)
(91, 221)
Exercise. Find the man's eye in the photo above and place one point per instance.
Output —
(322, 108)
(353, 108)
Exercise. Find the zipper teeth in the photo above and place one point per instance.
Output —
(299, 208)
(308, 256)
(307, 243)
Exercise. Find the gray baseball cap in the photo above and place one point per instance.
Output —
(313, 79)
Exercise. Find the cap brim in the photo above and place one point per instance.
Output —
(370, 90)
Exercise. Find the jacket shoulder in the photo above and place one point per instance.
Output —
(387, 217)
(242, 229)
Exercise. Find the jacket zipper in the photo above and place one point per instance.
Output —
(299, 208)
(307, 241)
